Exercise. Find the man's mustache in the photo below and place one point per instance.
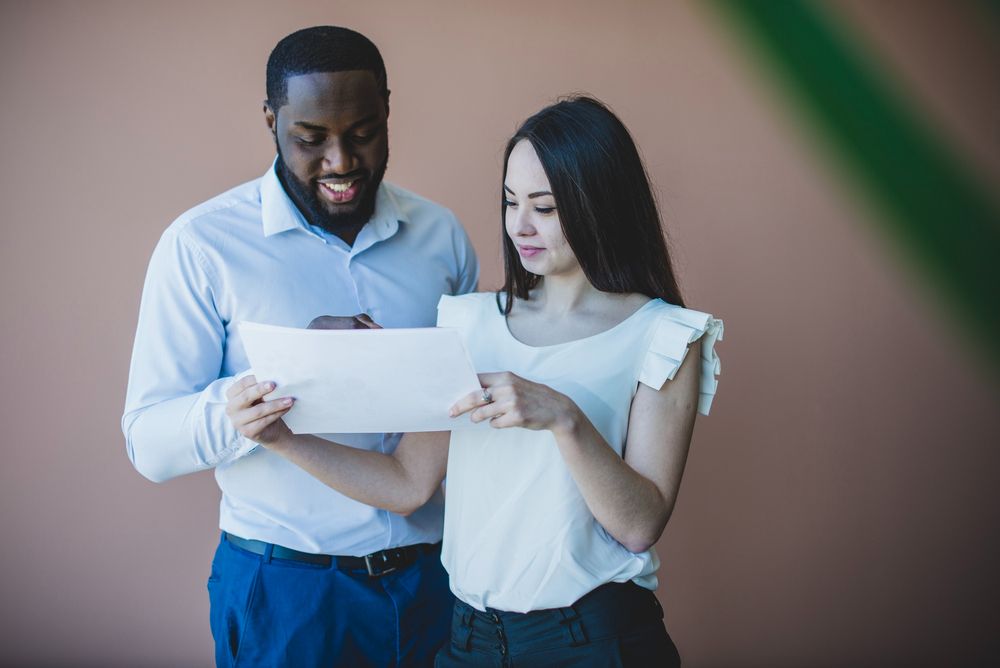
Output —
(361, 174)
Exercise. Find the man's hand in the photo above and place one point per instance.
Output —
(258, 420)
(360, 321)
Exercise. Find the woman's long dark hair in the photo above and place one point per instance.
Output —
(605, 204)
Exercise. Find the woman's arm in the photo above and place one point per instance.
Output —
(401, 482)
(631, 498)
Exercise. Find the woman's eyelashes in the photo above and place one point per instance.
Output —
(543, 210)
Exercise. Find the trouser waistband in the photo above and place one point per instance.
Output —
(374, 564)
(609, 610)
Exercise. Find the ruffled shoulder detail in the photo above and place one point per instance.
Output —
(460, 311)
(674, 330)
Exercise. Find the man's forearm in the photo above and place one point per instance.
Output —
(182, 435)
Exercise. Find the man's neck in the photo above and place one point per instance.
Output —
(349, 236)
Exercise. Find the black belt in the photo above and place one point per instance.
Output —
(375, 564)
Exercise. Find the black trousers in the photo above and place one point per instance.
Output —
(618, 625)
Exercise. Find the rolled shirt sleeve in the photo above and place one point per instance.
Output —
(175, 418)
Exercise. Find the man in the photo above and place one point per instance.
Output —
(303, 576)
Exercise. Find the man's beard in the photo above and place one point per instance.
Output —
(307, 200)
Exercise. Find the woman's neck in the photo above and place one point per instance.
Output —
(559, 295)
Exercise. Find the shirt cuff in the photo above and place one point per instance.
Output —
(244, 446)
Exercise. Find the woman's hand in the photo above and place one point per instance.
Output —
(507, 400)
(258, 420)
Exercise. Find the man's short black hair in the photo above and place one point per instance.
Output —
(321, 49)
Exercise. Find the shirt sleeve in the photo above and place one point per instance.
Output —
(454, 312)
(175, 420)
(674, 330)
(468, 264)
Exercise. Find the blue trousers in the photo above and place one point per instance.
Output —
(614, 626)
(272, 612)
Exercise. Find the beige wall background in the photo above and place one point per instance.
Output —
(839, 507)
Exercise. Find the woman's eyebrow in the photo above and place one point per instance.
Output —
(540, 193)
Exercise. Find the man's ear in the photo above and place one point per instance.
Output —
(271, 119)
(386, 99)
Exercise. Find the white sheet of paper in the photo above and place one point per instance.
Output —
(361, 381)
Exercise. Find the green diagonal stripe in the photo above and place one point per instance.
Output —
(993, 6)
(929, 201)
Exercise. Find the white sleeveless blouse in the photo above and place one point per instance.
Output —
(518, 535)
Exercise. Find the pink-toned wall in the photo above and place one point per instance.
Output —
(839, 507)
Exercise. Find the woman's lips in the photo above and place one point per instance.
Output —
(529, 251)
(340, 192)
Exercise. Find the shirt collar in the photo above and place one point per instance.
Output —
(279, 213)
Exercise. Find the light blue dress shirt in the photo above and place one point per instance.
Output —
(248, 254)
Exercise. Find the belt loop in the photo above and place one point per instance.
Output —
(574, 626)
(268, 549)
(465, 641)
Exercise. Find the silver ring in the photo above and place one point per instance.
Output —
(487, 397)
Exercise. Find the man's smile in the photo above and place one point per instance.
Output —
(340, 191)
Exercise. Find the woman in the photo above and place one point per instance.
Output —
(551, 515)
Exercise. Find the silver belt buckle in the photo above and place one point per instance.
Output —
(371, 569)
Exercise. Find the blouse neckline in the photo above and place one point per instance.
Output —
(510, 335)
